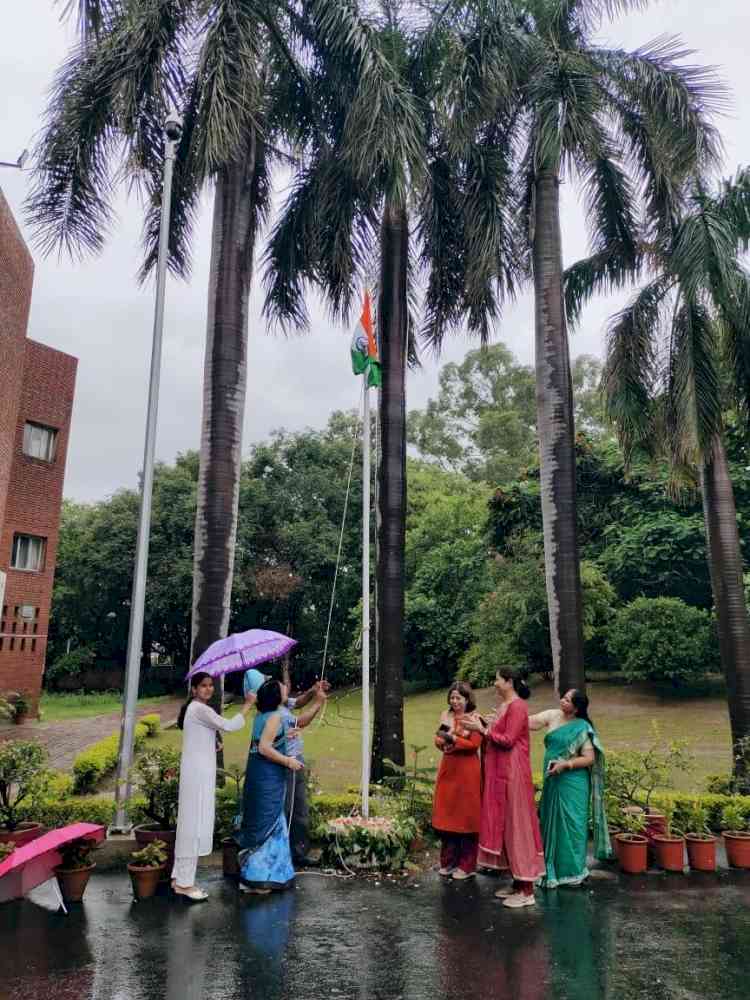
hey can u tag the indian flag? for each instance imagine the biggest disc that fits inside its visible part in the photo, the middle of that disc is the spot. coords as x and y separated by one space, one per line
364 349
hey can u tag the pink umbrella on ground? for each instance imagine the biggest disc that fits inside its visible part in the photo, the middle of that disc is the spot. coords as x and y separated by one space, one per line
242 651
35 862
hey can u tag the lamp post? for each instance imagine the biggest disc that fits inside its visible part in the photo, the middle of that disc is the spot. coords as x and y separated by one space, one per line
172 135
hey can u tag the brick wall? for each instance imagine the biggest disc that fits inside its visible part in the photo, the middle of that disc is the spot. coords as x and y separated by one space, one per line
37 385
16 276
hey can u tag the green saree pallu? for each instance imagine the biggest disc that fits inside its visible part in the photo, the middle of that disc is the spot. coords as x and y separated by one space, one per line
568 801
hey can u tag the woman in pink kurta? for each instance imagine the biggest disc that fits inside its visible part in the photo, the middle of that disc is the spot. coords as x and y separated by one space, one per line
509 836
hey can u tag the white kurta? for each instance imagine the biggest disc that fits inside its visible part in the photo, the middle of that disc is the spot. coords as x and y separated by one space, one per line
195 814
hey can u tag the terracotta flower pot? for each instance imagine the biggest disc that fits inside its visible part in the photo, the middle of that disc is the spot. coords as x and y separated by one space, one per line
632 852
73 882
145 880
737 845
701 850
22 834
147 833
229 850
669 852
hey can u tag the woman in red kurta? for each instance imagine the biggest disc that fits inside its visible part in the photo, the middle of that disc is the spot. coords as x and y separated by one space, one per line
509 836
456 809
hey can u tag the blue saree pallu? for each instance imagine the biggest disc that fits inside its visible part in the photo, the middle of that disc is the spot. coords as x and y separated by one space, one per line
265 858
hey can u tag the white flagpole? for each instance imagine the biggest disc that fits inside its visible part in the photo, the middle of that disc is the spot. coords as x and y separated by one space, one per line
366 599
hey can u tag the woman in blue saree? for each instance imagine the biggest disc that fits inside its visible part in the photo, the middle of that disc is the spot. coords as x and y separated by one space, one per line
265 858
573 792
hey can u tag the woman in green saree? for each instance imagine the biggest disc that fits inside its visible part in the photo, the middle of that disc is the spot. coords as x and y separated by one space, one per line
573 791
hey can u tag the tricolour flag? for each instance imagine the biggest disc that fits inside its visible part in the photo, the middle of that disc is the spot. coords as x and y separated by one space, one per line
364 348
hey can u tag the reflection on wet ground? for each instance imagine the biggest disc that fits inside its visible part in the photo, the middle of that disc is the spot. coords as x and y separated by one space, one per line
663 938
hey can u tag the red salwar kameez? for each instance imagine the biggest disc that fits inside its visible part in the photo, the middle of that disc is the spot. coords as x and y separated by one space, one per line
509 836
456 808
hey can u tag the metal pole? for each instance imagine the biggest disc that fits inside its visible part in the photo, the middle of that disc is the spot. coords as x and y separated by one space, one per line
172 134
366 601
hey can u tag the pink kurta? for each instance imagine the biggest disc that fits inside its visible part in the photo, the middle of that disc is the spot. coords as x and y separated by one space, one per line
509 836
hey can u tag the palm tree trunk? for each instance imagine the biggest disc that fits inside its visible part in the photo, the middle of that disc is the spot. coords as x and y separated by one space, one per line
388 731
554 400
725 565
224 386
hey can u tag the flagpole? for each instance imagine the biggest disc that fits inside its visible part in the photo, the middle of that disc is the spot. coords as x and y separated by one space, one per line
366 598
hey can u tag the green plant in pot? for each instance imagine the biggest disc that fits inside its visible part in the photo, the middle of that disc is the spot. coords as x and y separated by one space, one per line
20 709
156 776
228 812
24 780
632 849
701 843
146 868
74 871
669 847
734 823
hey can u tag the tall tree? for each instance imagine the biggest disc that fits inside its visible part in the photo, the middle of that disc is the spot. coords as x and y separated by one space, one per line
551 103
237 71
340 227
664 377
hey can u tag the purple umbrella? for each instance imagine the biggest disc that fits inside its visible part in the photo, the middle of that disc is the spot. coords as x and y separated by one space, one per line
242 651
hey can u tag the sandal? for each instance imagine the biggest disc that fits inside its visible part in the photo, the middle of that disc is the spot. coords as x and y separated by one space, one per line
194 894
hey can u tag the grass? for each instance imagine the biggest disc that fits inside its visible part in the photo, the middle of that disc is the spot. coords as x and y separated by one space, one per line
61 707
623 716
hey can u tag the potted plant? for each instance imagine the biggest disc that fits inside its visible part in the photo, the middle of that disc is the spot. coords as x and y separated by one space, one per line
736 835
701 843
669 847
632 850
24 779
6 850
157 777
20 709
228 809
146 868
74 872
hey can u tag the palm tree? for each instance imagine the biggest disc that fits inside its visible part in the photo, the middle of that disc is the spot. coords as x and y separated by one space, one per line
628 126
663 381
238 72
340 225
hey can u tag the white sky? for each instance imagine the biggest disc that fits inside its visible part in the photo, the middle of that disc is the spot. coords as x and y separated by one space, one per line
98 313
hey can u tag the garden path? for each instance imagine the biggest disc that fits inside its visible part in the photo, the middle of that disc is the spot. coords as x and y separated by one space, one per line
64 740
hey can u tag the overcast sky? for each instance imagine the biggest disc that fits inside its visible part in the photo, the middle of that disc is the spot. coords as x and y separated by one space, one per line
98 313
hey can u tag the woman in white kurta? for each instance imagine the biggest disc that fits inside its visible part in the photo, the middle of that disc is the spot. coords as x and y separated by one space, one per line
195 814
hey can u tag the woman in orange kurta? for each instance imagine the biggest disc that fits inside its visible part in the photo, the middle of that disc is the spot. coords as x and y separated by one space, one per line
509 837
456 809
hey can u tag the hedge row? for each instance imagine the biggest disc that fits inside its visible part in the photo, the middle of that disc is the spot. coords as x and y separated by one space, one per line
93 763
100 809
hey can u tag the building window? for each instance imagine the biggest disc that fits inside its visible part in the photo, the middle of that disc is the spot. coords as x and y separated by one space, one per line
39 441
28 553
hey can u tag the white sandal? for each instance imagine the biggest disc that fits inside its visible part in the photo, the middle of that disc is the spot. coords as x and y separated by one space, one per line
194 894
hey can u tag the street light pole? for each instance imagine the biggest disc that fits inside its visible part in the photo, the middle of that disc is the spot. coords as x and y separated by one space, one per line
172 135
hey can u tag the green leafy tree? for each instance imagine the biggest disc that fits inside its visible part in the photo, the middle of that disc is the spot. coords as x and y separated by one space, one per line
662 639
511 626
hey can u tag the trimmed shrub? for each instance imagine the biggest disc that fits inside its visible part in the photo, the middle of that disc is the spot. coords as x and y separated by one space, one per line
663 639
325 807
71 664
93 763
152 723
682 805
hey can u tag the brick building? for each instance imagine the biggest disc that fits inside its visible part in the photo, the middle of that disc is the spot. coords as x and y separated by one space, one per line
36 398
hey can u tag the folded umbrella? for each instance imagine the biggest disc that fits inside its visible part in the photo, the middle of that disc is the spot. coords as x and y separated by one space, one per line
242 651
35 862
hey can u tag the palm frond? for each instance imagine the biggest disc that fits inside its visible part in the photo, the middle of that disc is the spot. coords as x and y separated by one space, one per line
734 310
600 274
733 203
694 392
92 17
631 376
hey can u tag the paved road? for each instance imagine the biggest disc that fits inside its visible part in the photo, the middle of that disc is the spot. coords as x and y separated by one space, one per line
662 938
65 740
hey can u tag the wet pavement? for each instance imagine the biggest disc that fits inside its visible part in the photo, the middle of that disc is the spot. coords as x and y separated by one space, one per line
660 937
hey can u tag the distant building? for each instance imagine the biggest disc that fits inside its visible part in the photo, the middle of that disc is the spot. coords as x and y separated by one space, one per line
37 385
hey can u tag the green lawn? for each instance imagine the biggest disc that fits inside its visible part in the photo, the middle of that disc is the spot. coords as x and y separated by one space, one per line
623 716
62 707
